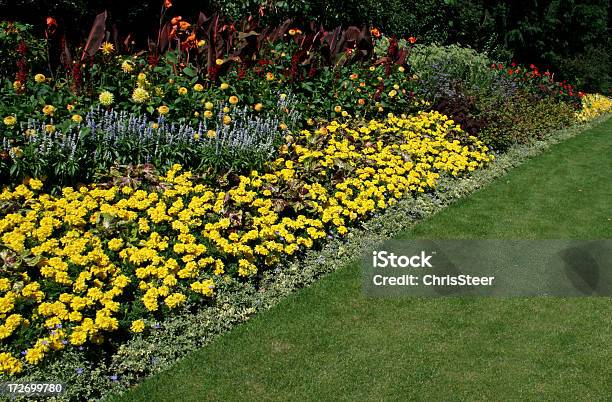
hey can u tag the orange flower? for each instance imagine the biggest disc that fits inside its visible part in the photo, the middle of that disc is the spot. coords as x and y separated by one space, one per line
51 22
353 76
375 32
361 101
175 20
412 39
184 25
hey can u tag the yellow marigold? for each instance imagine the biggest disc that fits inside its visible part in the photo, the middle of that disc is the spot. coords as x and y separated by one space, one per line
163 109
10 121
35 184
115 244
233 99
77 118
227 119
140 95
48 110
107 48
17 85
224 86
49 128
208 114
218 62
198 87
9 365
226 109
201 42
174 300
137 326
127 67
269 76
182 91
209 106
211 133
106 98
40 78
338 109
258 107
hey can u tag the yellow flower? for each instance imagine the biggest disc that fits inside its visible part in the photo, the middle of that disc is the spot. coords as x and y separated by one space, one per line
201 42
219 62
182 91
140 95
9 364
106 98
70 107
258 107
227 120
10 121
198 87
163 110
35 184
127 67
233 99
211 133
40 78
77 118
338 109
224 86
269 76
226 109
17 85
401 69
209 106
137 326
48 110
107 48
208 114
49 128
142 77
115 244
292 32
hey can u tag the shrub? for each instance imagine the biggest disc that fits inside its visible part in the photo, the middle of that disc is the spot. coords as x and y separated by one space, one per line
435 64
523 118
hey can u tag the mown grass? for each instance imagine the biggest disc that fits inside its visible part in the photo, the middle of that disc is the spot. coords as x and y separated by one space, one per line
329 342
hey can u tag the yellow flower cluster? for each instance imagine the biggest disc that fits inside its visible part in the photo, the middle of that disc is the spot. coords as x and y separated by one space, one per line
81 260
593 106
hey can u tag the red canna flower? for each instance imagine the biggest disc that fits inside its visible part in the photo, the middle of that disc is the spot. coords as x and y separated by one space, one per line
412 39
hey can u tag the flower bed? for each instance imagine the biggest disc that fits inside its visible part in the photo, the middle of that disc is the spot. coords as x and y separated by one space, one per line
87 267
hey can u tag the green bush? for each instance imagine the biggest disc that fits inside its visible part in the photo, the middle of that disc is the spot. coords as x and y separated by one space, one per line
522 119
433 63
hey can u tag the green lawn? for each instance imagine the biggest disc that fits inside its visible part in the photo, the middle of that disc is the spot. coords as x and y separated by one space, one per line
330 342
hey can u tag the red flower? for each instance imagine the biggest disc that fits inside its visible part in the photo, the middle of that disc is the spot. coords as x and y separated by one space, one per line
412 39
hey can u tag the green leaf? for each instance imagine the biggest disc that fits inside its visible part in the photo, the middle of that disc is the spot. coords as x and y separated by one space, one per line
190 72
